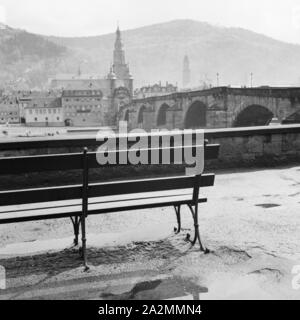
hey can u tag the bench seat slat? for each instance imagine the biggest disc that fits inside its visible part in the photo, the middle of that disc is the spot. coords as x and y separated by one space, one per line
16 197
74 202
97 208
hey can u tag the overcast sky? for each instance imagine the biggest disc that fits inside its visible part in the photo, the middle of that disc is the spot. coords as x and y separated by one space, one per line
277 18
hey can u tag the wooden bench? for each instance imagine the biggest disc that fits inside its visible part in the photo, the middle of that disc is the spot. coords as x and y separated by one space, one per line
79 201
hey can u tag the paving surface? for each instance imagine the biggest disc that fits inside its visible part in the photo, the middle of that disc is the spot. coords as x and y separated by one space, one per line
251 223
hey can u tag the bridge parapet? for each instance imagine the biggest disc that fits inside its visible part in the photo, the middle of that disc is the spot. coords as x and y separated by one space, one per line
223 106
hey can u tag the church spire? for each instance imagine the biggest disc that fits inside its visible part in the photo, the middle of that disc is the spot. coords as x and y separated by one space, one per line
118 34
119 54
119 65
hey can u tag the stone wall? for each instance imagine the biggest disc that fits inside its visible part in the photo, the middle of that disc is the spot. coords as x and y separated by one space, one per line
239 147
257 147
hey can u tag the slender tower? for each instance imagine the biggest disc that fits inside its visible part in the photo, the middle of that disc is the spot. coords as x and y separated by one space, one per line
186 75
120 67
79 71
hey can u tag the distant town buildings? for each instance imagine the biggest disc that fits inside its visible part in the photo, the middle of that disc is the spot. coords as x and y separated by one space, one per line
88 100
154 90
80 99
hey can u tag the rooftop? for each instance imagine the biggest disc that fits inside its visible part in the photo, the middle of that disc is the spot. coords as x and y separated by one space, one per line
44 102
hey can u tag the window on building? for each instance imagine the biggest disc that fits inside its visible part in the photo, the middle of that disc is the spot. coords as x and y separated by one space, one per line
35 119
57 118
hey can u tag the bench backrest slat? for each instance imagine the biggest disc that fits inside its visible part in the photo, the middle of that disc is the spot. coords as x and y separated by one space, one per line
64 162
26 196
18 165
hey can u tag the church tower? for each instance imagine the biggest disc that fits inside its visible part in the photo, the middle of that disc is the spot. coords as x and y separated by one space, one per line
120 68
186 75
120 79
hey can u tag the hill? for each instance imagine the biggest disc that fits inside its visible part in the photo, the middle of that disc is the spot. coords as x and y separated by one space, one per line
155 53
26 59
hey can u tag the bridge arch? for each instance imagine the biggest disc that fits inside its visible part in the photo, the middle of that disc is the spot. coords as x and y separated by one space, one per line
253 115
195 116
161 119
292 118
140 116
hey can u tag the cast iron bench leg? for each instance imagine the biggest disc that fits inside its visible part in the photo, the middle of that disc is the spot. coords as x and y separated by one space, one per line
177 210
76 225
83 239
194 212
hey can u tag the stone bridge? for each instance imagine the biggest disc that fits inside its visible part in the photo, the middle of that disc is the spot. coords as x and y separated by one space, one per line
219 107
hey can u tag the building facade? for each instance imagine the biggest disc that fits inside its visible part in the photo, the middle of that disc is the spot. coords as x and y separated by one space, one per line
9 110
83 107
25 97
44 112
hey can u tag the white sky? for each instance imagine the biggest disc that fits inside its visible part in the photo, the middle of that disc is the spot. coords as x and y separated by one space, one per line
277 18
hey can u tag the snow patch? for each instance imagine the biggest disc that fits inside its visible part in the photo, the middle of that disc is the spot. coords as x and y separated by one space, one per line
93 240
